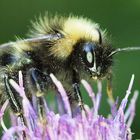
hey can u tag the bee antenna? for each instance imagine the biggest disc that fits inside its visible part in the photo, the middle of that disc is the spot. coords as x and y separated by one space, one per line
124 50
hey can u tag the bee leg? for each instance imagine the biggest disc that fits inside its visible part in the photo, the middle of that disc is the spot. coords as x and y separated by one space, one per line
77 92
78 96
37 77
14 102
109 88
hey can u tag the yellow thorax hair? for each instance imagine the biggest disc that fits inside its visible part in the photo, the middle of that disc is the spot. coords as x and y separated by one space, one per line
72 28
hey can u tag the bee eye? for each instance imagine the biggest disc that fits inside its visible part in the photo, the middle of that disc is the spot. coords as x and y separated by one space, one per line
89 57
88 53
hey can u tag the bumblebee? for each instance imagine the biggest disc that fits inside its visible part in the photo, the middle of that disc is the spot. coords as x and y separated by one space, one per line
72 48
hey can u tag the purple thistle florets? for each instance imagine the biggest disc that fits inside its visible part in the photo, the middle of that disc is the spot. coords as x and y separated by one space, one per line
87 125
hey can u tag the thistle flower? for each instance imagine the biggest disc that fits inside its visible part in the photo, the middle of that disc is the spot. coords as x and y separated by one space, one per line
87 125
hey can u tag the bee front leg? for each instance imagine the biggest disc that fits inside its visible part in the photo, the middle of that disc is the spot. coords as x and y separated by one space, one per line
77 92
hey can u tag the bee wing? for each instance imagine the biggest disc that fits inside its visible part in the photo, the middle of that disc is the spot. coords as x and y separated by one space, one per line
40 39
45 38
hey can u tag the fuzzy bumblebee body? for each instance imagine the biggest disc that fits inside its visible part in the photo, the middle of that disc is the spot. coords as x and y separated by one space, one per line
72 48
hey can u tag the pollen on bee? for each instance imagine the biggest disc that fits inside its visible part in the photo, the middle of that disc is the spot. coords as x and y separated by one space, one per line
94 77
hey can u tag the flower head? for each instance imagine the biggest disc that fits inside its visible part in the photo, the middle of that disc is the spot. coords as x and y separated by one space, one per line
87 125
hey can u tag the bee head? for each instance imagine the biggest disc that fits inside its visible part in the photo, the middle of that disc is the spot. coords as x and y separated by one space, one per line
95 58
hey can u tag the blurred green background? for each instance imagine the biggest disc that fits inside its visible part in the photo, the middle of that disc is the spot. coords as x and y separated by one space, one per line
121 18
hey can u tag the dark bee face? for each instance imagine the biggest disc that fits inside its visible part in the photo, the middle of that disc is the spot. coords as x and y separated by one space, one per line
96 59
